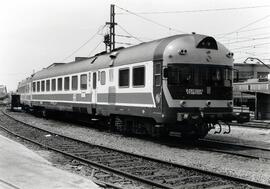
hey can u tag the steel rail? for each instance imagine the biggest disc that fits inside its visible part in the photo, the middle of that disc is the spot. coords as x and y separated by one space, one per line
230 150
220 175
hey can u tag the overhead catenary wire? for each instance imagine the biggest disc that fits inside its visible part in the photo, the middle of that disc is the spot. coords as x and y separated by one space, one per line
248 30
247 40
202 10
245 26
92 37
95 48
152 21
250 46
245 37
129 33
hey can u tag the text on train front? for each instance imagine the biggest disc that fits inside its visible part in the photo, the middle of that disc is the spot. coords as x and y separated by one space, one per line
197 81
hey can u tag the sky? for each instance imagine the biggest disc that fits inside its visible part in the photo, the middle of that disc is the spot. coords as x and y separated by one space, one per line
37 33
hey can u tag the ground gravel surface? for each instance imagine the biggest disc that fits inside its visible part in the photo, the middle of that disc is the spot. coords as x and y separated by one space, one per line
252 169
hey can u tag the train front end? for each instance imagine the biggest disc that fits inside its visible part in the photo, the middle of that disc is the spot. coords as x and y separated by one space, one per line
197 85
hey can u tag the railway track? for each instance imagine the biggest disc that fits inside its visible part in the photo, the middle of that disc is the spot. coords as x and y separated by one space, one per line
252 124
234 149
143 169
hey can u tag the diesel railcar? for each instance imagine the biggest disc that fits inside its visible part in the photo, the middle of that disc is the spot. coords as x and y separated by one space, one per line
179 83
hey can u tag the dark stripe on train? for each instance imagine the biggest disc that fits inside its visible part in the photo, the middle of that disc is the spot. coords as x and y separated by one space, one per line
129 98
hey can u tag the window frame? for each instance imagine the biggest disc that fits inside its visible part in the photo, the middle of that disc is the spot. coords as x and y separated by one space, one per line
122 69
102 82
74 87
48 85
61 85
53 84
34 86
38 86
66 87
144 79
42 86
82 88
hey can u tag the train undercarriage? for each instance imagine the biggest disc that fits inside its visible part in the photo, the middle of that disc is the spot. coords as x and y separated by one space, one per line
191 127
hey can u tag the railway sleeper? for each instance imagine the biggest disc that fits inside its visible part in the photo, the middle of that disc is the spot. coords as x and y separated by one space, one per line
208 184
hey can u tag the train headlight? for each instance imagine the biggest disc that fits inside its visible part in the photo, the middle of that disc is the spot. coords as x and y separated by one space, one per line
229 54
182 103
208 103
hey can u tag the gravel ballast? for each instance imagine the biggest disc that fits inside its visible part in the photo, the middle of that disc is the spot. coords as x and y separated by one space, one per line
252 169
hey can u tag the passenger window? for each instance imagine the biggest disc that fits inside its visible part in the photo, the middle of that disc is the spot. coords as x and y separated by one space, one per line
47 85
66 83
34 86
103 78
94 80
139 76
42 86
53 84
38 86
83 82
111 75
74 82
59 84
124 77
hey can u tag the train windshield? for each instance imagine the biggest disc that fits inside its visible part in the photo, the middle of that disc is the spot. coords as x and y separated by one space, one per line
199 75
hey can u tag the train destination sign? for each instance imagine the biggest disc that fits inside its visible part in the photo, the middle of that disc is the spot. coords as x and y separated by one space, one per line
194 91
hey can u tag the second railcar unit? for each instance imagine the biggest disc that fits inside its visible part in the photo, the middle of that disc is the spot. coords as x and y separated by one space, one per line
180 83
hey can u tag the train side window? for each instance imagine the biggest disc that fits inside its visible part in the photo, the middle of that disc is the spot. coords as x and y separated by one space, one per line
111 75
53 84
94 80
34 86
42 85
98 75
47 85
157 74
38 86
103 78
74 82
139 76
83 82
66 83
124 77
59 84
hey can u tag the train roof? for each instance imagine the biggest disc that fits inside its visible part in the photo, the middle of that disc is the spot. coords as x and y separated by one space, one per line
147 51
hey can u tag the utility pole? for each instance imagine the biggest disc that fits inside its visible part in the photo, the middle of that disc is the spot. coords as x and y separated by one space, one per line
109 39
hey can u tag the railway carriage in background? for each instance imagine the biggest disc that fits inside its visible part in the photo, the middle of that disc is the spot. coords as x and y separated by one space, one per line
180 83
3 92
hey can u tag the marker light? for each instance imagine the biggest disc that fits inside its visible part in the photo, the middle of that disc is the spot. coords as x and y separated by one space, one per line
182 52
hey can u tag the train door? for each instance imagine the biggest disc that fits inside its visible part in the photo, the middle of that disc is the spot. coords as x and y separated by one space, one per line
157 88
94 89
